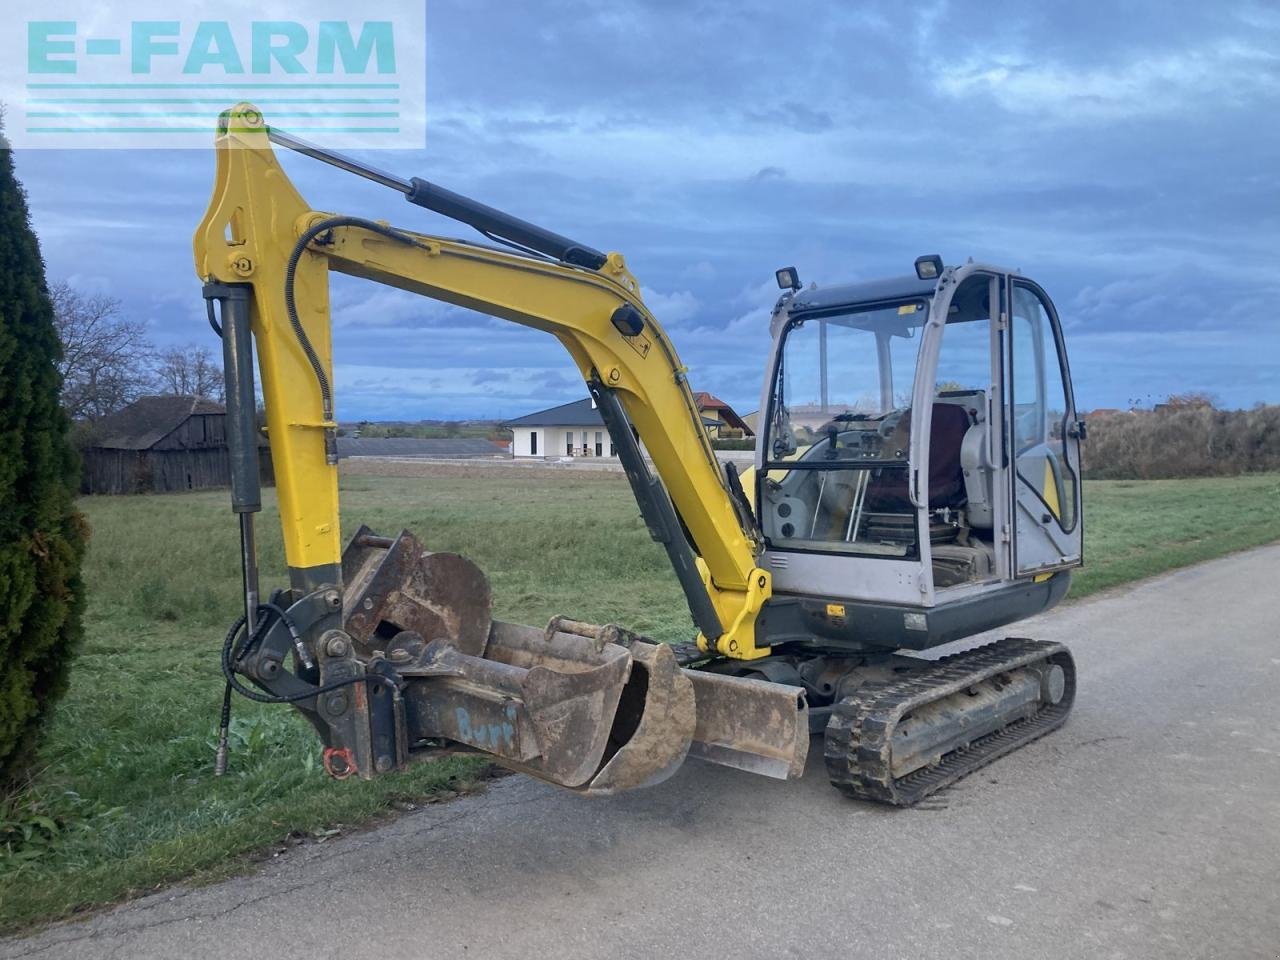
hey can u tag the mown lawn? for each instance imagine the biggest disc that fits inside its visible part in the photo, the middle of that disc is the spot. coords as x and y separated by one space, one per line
126 800
1137 528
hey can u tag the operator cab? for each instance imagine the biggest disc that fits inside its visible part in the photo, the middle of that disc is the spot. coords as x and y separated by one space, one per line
919 452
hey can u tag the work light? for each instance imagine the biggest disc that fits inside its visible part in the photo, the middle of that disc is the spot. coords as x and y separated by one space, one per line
929 267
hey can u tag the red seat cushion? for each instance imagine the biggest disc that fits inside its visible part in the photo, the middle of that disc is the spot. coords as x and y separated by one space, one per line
888 491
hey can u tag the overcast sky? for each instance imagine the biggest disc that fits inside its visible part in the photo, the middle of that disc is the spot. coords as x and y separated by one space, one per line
1124 154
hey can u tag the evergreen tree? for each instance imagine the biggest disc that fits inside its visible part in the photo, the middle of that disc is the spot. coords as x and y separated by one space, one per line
42 536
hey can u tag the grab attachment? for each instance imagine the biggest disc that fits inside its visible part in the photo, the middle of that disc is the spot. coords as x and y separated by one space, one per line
579 711
597 720
409 664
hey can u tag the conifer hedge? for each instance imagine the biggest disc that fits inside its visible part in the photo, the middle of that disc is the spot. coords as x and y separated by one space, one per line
42 537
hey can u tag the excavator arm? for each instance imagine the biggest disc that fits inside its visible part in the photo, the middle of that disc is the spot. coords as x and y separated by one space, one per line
390 650
260 235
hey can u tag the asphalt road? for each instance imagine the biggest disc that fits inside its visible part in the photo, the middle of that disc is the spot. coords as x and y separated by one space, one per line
1148 827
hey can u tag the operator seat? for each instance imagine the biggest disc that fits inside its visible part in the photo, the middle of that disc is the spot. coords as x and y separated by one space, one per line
888 491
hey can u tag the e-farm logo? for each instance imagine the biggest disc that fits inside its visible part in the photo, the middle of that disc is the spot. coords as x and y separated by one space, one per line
132 74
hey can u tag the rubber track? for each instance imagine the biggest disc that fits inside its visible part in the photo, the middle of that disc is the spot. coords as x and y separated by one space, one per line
859 735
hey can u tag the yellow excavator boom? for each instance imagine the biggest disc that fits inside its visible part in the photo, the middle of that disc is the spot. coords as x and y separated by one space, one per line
257 224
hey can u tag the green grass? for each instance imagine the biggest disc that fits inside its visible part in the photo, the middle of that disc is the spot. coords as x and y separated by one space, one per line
126 801
1138 528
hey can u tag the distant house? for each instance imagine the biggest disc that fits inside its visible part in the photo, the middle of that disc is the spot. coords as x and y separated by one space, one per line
569 430
720 419
577 429
162 445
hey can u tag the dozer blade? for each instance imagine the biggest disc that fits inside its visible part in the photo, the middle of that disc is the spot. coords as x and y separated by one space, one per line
753 725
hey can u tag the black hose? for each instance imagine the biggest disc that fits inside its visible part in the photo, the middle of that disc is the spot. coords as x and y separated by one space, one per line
257 696
291 307
213 317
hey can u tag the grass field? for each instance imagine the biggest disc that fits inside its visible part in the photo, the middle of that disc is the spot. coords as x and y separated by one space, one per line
126 800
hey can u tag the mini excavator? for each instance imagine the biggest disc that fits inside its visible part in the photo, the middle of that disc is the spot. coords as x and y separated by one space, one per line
916 482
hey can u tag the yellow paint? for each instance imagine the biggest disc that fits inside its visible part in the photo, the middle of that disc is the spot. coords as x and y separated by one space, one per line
254 200
747 478
250 218
1051 489
738 612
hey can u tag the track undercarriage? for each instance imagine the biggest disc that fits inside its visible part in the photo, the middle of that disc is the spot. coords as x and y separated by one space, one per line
897 728
898 739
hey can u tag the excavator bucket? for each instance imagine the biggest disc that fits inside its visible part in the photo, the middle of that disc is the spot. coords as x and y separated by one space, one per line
591 708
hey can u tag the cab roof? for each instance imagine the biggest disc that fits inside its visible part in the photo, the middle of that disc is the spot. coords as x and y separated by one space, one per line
870 291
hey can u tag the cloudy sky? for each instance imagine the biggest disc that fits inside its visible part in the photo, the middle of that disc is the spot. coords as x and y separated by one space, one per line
1125 154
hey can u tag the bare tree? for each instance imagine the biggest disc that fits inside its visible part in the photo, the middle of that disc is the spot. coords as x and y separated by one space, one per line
106 357
189 371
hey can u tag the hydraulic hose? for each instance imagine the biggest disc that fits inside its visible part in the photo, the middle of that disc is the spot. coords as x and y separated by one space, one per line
291 306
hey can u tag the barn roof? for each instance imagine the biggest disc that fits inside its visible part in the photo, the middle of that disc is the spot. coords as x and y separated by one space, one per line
148 420
580 413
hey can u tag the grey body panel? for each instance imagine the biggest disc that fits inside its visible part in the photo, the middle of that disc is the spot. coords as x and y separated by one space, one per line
863 625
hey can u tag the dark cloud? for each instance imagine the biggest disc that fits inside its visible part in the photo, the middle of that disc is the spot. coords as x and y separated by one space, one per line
792 116
1122 156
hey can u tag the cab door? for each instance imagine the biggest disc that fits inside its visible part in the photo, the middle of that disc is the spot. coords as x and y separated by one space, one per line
1043 436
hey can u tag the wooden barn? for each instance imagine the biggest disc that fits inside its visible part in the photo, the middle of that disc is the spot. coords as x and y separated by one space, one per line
162 445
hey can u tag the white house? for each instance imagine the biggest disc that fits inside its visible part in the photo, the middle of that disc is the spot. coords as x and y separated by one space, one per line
569 430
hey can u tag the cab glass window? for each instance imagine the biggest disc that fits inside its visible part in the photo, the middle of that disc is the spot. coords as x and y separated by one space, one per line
836 477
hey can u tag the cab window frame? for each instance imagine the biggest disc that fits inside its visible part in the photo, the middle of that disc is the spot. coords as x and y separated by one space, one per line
1069 411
